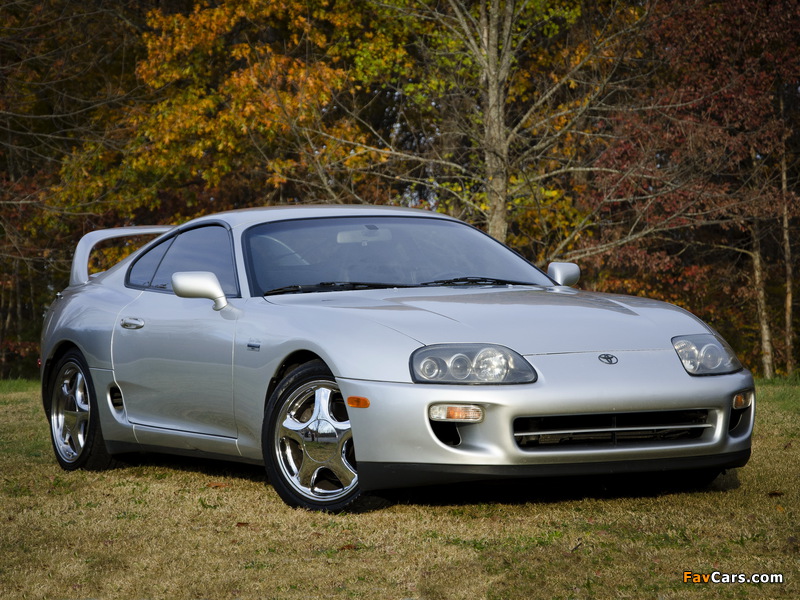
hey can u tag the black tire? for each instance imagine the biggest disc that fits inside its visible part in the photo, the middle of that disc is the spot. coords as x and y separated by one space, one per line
74 420
306 417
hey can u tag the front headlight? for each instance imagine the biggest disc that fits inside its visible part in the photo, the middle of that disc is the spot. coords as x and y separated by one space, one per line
470 364
705 354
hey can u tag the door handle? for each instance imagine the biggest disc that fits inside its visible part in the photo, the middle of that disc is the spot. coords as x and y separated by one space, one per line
132 323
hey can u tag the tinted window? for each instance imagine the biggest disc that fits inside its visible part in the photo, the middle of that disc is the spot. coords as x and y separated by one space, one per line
201 249
144 268
389 250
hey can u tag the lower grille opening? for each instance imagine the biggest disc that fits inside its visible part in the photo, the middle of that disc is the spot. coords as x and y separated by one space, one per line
447 433
610 429
736 418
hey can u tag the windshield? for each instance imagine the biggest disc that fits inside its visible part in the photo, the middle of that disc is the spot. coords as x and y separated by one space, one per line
337 252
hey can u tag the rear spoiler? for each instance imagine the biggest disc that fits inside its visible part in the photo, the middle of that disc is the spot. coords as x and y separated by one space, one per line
80 261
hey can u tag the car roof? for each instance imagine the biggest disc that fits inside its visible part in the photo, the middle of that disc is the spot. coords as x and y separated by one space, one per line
250 216
239 218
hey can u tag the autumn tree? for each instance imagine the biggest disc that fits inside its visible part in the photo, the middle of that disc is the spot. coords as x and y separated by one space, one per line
491 105
477 108
233 82
710 162
65 71
642 136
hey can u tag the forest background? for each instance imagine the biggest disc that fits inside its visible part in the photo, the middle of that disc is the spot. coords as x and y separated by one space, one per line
654 142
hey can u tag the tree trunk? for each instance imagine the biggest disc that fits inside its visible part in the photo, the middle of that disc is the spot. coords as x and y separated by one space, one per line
789 297
495 146
5 318
496 177
787 259
759 282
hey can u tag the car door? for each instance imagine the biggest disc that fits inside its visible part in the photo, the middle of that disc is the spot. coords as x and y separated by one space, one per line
172 356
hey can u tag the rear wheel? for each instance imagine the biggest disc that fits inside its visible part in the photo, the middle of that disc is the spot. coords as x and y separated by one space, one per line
307 442
72 410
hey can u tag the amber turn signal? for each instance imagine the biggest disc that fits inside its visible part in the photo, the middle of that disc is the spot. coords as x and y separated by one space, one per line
357 402
459 413
742 400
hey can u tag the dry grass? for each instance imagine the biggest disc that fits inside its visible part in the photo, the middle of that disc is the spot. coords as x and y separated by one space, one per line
181 529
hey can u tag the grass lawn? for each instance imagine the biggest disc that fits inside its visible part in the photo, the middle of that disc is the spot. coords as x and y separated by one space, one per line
174 528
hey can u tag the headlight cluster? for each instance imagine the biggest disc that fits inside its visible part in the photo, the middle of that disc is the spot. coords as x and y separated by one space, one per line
705 354
470 364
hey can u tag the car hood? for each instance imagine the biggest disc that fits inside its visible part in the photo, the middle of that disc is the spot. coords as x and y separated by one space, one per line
530 320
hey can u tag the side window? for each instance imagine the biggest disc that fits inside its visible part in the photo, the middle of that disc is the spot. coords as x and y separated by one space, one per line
142 271
202 249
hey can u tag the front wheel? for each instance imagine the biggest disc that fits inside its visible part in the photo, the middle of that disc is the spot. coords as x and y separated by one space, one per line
307 442
72 410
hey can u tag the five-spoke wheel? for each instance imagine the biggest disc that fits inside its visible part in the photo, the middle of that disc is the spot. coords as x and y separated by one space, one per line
69 416
307 442
74 423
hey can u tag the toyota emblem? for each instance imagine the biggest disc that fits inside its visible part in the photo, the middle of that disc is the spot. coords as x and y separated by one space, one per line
608 359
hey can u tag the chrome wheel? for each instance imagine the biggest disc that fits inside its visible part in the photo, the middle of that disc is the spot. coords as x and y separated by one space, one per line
313 444
70 410
74 421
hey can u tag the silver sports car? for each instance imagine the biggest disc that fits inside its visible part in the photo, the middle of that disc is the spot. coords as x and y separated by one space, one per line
351 349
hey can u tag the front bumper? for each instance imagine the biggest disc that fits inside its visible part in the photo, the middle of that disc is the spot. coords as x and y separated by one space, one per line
378 476
396 444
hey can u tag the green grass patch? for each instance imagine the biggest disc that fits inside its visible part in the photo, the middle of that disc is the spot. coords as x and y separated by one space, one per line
782 393
164 528
14 386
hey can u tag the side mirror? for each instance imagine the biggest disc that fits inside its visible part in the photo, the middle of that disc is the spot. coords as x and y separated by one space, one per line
564 273
199 284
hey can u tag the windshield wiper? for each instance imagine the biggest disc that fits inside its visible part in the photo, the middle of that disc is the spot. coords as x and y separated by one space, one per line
338 286
332 286
475 280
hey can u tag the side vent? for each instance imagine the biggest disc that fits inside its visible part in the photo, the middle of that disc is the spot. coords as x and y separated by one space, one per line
115 395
